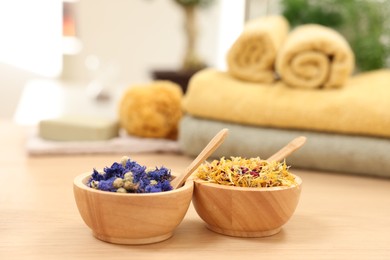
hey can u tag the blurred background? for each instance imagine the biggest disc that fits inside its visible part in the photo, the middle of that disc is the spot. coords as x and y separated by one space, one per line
49 45
61 56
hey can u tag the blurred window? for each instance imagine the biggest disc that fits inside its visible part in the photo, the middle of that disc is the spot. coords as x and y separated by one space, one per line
31 35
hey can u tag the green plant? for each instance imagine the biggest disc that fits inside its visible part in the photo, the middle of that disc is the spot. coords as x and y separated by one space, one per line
364 23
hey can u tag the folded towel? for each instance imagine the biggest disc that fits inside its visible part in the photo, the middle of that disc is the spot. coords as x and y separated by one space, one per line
252 56
314 56
328 152
361 107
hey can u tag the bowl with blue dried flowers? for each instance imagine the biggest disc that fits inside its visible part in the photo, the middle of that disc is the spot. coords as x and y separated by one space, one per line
128 203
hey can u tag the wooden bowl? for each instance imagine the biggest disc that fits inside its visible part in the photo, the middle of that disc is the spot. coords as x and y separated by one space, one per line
131 218
245 212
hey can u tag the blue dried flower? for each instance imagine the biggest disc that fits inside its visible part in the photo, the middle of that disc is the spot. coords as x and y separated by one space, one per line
152 188
158 187
156 180
116 170
107 185
166 185
131 164
143 183
138 172
96 176
160 174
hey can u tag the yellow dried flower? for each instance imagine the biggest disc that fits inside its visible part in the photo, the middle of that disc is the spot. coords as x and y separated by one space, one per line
242 172
124 160
130 186
121 190
128 176
118 182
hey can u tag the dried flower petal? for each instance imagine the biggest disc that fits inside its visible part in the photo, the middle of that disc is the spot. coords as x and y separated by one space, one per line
243 172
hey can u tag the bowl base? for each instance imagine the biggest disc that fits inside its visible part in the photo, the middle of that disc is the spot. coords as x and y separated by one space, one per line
235 233
132 241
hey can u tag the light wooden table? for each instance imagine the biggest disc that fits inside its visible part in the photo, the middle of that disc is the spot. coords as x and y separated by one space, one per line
339 216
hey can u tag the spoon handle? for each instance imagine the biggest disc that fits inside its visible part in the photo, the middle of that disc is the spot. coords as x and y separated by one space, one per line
204 154
288 149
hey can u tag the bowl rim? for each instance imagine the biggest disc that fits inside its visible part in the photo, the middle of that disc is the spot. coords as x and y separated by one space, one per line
79 182
250 189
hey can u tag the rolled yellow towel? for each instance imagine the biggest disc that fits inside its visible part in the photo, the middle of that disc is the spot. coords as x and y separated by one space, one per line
252 56
315 56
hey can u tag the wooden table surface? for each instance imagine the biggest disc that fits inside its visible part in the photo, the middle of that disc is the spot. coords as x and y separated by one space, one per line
338 217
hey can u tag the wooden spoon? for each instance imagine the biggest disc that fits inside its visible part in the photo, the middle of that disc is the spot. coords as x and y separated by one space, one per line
292 146
204 154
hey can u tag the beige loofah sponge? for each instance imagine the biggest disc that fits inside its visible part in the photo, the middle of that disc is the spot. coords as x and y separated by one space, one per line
151 110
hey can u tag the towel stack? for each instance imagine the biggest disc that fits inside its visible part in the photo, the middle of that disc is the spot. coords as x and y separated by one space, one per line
311 93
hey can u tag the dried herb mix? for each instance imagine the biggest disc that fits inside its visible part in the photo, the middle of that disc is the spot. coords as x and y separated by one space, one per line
128 176
242 172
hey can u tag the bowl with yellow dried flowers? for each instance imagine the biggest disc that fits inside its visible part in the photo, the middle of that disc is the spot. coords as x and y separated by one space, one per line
246 197
128 203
